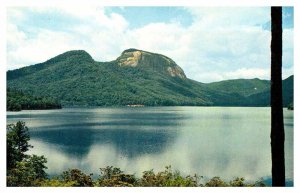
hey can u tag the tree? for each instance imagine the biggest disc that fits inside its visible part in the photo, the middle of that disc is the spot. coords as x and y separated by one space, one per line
29 172
277 129
17 138
77 178
22 169
37 163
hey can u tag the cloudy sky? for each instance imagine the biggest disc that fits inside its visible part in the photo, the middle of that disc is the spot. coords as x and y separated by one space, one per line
210 44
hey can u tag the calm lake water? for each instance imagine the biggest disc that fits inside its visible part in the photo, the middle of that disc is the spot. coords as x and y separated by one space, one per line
210 141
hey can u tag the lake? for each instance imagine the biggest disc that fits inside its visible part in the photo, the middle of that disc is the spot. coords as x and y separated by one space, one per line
210 141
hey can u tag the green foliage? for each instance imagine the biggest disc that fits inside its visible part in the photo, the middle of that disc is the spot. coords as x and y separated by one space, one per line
216 182
104 84
22 169
111 176
17 137
258 183
291 106
114 177
55 182
37 164
17 100
28 172
288 91
167 178
74 78
11 152
244 87
20 175
237 182
77 178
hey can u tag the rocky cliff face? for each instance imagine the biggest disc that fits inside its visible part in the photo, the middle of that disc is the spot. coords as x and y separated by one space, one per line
156 62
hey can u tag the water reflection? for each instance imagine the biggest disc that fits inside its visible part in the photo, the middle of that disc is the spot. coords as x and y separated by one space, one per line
210 141
128 142
131 132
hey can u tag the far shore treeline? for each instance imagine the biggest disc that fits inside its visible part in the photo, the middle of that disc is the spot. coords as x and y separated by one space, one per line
17 100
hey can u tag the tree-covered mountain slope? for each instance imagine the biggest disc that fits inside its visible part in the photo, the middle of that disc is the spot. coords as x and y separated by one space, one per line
135 77
263 98
253 92
244 87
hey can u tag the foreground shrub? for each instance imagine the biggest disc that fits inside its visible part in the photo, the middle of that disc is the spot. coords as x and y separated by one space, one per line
77 178
167 178
114 177
237 182
216 182
28 172
55 182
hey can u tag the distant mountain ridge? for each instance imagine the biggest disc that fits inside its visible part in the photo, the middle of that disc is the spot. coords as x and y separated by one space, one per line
135 77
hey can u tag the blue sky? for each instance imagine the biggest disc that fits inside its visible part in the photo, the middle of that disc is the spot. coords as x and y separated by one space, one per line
209 43
141 16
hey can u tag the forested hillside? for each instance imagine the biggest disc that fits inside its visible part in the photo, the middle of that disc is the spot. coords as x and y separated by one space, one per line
135 77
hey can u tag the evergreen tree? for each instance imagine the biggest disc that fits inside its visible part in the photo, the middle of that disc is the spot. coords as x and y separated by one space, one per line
17 143
22 169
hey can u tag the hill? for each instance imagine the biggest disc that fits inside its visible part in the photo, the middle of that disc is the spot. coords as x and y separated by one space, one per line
263 98
254 92
135 77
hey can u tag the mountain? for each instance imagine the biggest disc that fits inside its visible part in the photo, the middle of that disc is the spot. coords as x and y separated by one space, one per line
263 98
243 87
254 92
135 77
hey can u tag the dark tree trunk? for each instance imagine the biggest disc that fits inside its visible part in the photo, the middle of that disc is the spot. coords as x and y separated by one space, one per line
277 129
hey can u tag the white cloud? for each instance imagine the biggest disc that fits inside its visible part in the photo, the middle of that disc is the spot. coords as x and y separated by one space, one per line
288 47
232 17
95 32
15 14
286 72
15 36
249 73
202 51
157 37
41 48
221 43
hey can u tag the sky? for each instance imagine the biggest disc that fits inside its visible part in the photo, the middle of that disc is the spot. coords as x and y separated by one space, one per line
208 43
